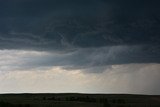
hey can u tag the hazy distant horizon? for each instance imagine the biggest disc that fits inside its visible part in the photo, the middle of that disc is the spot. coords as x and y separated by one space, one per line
81 93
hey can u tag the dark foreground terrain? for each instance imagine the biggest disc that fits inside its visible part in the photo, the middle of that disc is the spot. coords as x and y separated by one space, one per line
78 100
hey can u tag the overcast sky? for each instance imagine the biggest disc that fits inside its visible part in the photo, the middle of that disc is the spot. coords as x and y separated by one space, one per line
84 46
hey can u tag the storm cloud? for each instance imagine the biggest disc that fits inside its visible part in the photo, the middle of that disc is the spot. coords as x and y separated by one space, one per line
52 24
85 59
113 32
103 40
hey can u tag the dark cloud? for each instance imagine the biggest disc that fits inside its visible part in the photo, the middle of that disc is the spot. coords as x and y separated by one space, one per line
92 45
101 32
89 59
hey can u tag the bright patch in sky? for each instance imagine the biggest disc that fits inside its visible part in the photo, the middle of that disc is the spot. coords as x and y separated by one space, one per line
17 75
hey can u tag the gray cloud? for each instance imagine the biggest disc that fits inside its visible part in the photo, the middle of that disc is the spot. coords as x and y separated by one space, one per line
111 34
111 45
46 24
88 59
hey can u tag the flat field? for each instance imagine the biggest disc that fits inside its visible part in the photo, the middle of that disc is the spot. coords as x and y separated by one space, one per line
78 100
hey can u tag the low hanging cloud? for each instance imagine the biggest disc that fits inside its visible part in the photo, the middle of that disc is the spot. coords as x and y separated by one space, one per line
79 58
115 33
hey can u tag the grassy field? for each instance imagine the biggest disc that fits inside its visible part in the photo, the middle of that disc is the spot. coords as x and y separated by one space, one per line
78 100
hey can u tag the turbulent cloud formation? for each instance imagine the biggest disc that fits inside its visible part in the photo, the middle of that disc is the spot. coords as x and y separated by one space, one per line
79 58
53 25
90 37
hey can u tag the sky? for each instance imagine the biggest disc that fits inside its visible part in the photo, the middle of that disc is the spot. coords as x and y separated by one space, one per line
80 46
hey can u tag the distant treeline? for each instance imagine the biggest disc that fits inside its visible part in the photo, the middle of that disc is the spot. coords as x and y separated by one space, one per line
86 99
72 100
104 101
